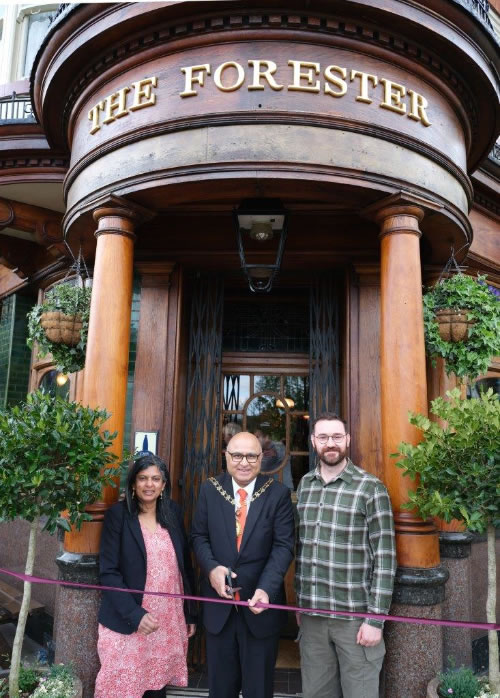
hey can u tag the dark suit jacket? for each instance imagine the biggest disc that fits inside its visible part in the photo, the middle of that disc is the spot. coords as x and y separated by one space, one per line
265 554
122 564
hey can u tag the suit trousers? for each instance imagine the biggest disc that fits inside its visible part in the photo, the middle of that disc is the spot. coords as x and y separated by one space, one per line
333 665
238 661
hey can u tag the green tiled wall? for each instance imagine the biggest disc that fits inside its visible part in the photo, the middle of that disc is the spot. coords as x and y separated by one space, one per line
15 355
5 345
134 329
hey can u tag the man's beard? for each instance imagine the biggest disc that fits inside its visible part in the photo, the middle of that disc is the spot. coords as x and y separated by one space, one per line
331 457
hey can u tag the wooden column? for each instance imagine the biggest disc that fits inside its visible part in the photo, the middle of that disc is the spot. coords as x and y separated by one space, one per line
106 363
403 370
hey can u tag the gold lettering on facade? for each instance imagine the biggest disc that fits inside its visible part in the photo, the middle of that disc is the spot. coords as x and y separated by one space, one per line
298 75
143 93
338 82
393 94
115 105
363 85
418 105
231 76
94 116
239 79
267 74
190 78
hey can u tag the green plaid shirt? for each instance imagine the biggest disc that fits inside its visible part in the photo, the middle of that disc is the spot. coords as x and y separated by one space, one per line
346 551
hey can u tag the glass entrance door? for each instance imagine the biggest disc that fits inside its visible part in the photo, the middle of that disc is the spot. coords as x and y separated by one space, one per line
273 406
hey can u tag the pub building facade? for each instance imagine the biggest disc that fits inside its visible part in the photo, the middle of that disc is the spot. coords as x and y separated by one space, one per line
259 190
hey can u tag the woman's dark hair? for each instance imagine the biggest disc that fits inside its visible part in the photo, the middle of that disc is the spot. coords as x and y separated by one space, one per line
164 513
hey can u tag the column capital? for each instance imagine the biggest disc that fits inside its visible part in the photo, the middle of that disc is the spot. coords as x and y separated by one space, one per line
115 215
400 213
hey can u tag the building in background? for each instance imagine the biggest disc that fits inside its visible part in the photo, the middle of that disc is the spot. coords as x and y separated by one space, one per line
259 190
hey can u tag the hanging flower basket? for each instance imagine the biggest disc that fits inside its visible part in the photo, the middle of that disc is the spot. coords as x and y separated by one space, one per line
59 325
462 324
453 324
61 328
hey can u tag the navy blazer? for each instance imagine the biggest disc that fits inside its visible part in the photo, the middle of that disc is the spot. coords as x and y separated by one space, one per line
265 553
122 564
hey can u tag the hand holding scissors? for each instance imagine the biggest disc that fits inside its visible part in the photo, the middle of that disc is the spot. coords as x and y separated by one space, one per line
218 579
229 584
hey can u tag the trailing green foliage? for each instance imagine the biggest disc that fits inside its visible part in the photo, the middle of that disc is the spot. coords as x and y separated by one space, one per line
68 299
458 464
472 357
52 454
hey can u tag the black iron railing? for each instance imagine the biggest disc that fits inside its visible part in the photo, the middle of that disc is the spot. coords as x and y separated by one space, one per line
495 153
16 108
62 7
479 8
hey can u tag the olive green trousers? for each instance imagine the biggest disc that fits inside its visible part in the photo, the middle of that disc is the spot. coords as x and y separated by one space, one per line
332 664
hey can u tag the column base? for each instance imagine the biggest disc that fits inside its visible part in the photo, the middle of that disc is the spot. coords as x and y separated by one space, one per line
455 554
76 618
414 652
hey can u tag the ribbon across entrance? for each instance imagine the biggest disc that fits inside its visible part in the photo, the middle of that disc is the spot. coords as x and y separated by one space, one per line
278 607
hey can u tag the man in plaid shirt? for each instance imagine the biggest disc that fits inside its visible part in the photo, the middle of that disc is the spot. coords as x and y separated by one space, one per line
346 561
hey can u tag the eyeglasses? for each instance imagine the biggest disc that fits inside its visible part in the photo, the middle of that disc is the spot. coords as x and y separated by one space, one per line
252 458
324 438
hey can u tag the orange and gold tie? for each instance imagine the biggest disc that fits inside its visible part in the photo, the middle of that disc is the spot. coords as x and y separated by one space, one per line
241 517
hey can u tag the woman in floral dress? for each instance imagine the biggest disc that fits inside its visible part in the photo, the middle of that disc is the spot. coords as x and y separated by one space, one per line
143 638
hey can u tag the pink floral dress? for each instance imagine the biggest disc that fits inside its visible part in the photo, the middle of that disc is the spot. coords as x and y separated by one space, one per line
133 664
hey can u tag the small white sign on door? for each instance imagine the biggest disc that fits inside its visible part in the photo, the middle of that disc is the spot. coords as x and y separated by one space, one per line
146 441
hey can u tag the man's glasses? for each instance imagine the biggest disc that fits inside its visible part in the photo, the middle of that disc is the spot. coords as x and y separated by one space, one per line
323 438
251 457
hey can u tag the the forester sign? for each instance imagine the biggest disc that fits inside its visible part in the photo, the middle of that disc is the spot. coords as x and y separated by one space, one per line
335 81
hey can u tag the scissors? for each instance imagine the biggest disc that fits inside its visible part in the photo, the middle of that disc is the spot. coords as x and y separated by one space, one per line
229 585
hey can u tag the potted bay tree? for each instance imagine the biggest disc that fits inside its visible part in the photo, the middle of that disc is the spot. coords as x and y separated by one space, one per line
457 464
54 457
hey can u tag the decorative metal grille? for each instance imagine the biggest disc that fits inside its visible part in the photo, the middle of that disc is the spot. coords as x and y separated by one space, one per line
324 349
266 327
479 8
203 392
231 392
16 108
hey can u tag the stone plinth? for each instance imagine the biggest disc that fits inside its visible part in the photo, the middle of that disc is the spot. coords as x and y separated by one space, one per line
455 548
76 618
414 652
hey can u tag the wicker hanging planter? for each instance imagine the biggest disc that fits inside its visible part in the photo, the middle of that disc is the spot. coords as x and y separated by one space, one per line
453 324
62 329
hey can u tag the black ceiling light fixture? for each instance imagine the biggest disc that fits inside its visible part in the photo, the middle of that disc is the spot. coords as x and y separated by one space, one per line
261 221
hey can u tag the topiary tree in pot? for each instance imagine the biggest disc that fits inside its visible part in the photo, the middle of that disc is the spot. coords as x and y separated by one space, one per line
458 466
54 457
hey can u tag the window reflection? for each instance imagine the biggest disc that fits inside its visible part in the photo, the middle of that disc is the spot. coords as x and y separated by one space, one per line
38 25
55 383
484 384
275 409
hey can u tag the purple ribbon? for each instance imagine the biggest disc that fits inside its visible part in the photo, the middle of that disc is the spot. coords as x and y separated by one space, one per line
278 607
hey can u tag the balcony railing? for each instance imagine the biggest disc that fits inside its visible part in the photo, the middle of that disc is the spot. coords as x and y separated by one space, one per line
479 8
16 109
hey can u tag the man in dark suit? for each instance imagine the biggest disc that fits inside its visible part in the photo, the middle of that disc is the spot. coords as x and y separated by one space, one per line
243 521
